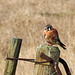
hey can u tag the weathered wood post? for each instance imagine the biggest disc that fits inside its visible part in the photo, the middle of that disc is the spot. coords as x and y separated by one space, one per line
15 45
46 68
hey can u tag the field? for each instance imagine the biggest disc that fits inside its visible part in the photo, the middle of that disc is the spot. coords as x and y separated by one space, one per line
26 19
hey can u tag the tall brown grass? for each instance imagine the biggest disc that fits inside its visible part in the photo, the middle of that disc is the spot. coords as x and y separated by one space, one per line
26 19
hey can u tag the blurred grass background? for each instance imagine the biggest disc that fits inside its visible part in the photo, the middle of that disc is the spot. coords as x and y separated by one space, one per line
26 19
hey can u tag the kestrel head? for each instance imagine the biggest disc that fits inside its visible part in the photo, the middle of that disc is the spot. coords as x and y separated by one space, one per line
48 27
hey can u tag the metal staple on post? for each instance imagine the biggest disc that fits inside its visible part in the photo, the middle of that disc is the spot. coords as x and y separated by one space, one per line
52 61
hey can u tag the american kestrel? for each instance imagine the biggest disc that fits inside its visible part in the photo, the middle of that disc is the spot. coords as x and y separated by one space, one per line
52 37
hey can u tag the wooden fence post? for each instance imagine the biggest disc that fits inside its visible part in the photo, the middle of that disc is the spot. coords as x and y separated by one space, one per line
46 68
15 45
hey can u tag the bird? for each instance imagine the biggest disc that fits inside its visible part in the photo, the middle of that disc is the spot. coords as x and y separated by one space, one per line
52 37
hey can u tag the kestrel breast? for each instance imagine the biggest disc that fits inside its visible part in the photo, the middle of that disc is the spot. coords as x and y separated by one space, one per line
50 36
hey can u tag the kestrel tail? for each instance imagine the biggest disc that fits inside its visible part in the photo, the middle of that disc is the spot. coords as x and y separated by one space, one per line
52 37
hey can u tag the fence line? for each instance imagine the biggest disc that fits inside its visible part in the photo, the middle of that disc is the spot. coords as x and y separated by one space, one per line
46 62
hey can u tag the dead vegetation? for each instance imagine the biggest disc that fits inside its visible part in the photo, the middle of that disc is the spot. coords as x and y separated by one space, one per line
26 19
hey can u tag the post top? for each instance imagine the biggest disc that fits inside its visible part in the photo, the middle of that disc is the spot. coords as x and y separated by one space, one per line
51 48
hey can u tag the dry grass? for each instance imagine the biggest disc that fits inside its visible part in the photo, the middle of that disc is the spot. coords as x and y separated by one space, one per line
26 19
